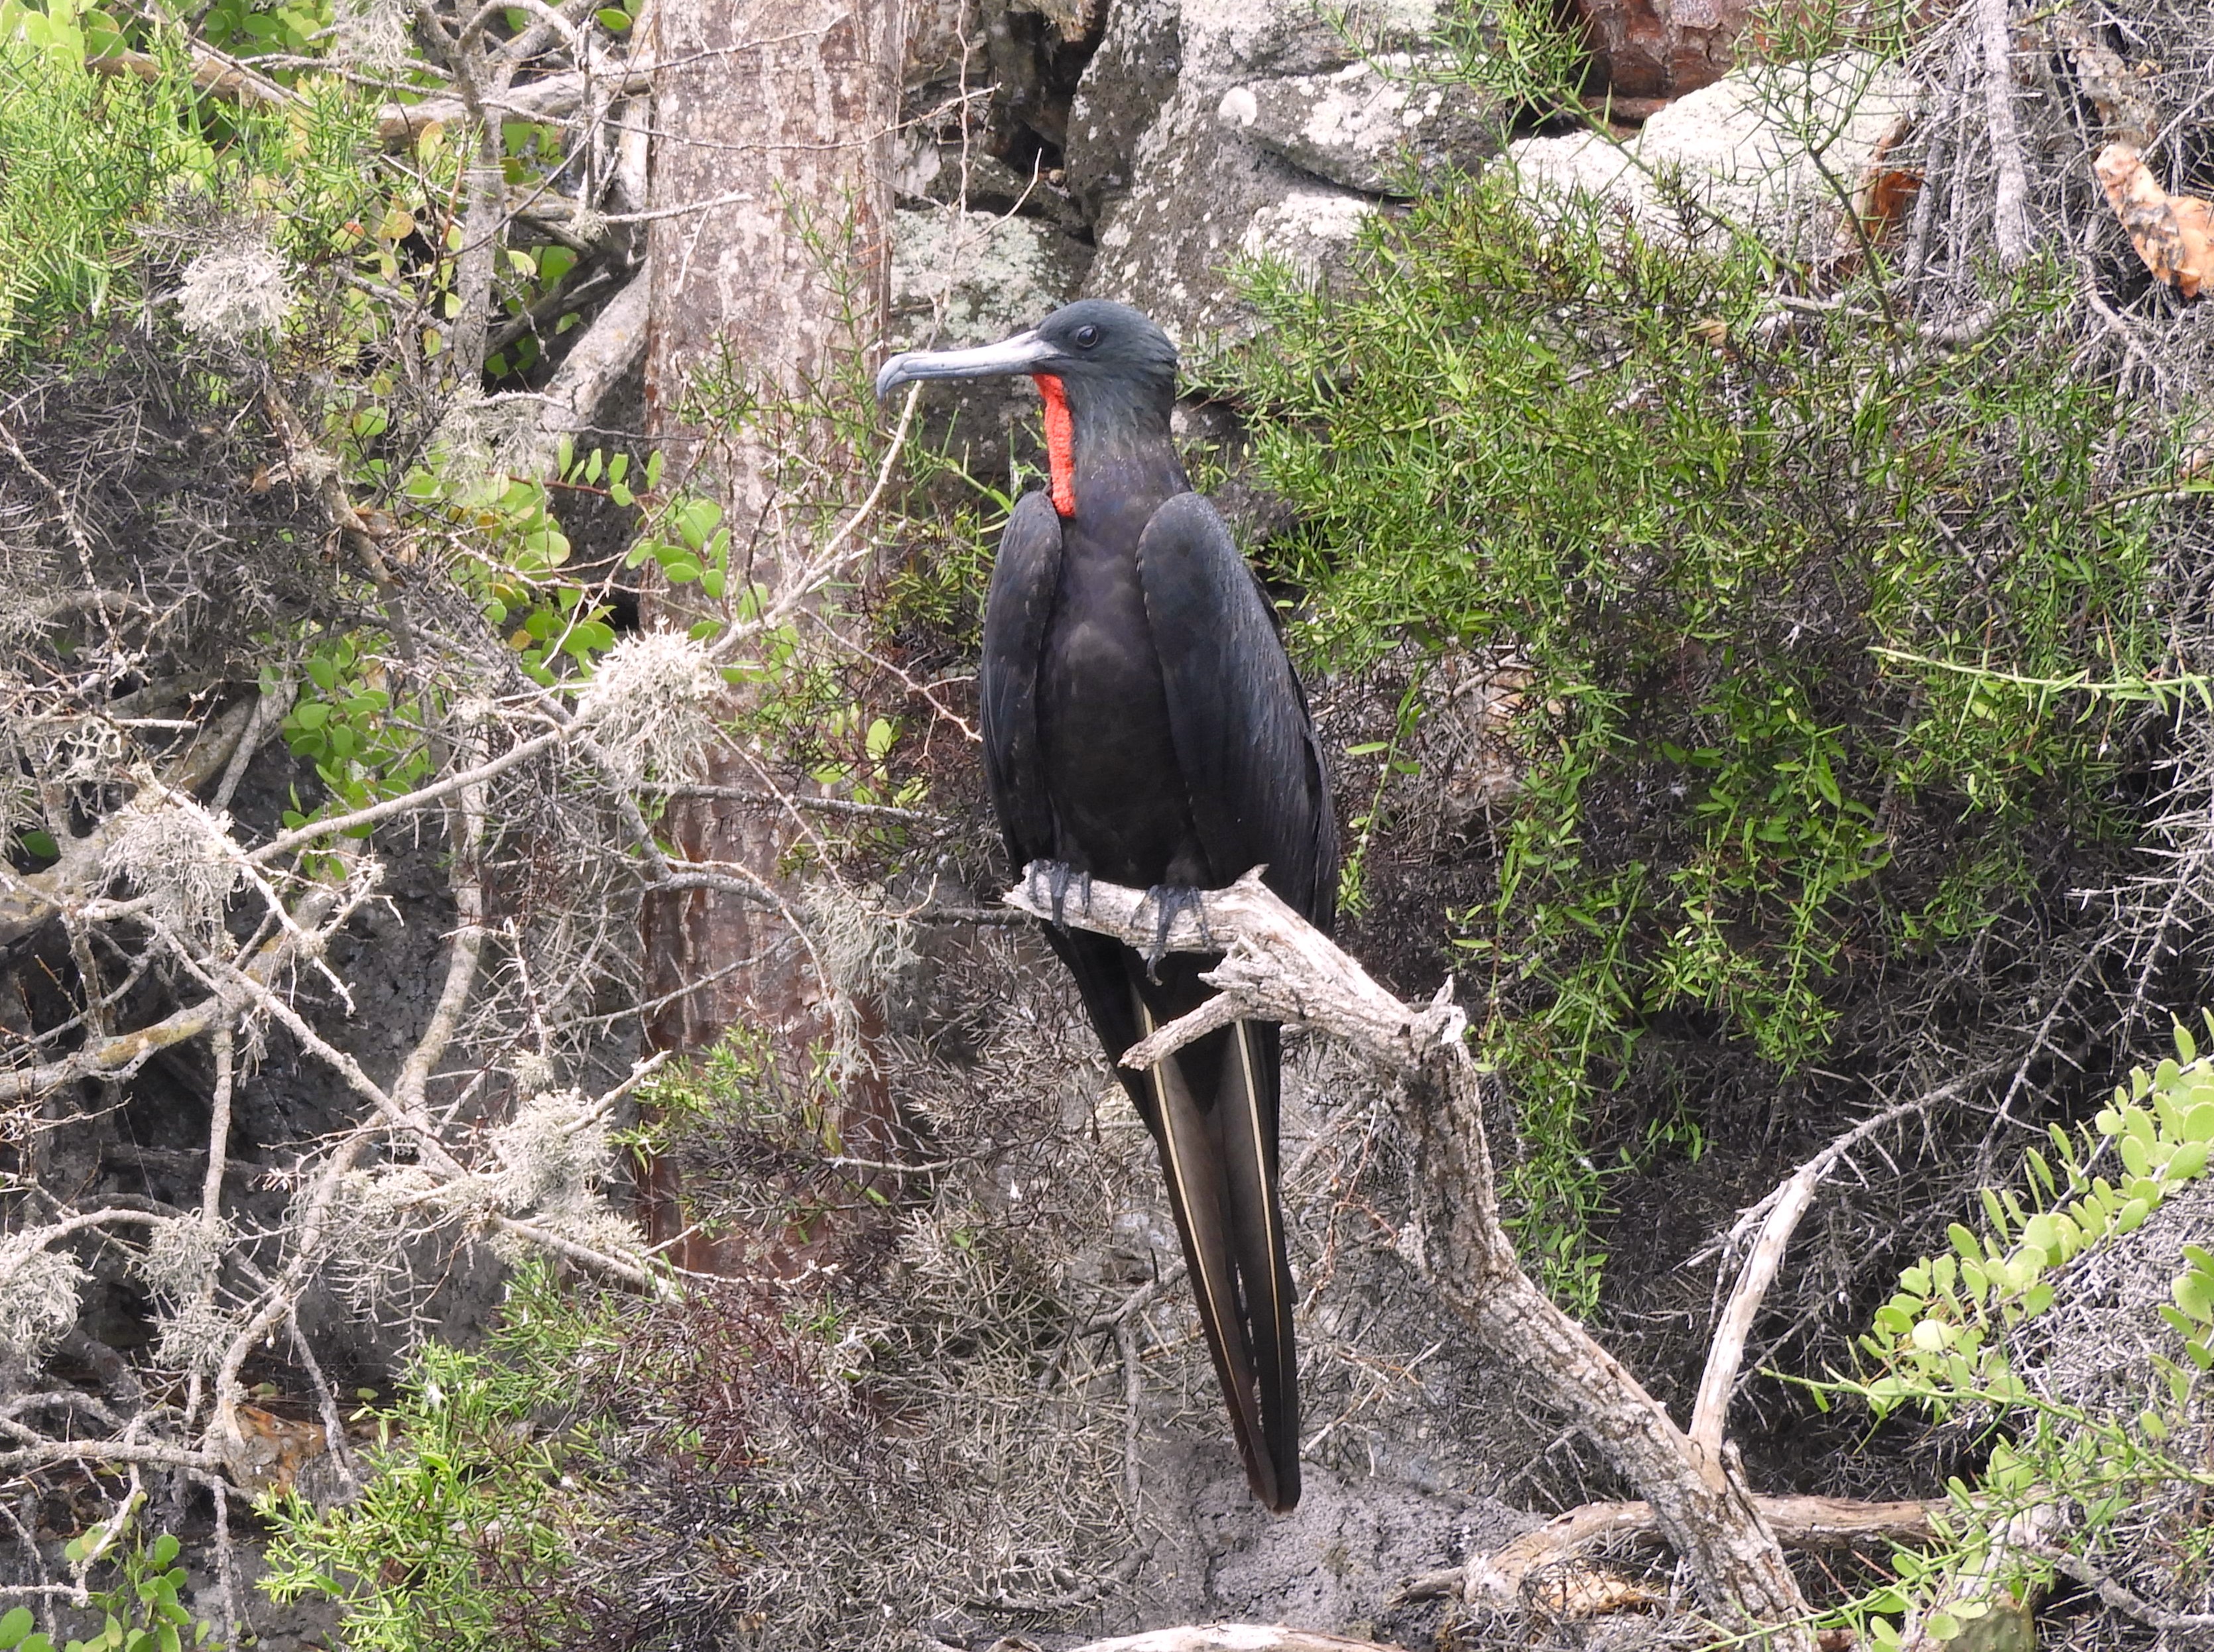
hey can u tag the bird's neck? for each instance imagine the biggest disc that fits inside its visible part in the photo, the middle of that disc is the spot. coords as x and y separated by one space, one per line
1105 432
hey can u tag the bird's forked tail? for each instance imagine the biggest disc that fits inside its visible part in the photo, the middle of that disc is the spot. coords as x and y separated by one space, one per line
1220 1165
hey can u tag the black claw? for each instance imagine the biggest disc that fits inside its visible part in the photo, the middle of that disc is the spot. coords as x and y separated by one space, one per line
1168 901
1057 875
1061 873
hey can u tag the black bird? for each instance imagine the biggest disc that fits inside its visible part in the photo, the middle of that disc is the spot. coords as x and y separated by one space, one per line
1142 725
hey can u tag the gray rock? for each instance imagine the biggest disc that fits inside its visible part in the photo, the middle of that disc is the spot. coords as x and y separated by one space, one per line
1372 125
968 277
1125 87
962 278
1177 196
1767 148
1205 199
945 44
928 173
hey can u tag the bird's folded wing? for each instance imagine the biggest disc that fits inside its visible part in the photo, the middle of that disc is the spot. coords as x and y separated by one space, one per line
1244 738
1024 578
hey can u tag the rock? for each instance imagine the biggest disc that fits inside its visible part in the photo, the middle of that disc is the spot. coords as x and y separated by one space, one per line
1370 125
969 277
1124 89
1741 150
1204 198
1038 50
1177 194
929 174
962 278
945 39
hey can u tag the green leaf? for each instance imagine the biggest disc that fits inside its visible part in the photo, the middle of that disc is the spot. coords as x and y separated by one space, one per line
2188 1162
1942 1626
13 1626
2194 1295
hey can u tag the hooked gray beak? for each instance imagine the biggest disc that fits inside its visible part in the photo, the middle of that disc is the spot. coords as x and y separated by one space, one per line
1024 353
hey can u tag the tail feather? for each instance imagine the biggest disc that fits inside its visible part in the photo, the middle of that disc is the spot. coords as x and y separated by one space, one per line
1246 1111
1221 1168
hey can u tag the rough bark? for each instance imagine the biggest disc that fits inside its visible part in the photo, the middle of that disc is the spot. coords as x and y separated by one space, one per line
1277 967
768 254
1646 51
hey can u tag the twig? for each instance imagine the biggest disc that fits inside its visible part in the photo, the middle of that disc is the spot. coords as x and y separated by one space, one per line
814 805
1727 1351
2010 189
2120 1598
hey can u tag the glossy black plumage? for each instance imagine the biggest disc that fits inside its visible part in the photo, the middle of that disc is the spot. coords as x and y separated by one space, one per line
1142 724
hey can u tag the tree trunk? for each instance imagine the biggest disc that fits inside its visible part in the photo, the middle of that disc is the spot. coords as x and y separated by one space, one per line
771 269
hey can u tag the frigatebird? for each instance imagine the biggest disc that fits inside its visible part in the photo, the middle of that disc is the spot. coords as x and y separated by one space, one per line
1142 725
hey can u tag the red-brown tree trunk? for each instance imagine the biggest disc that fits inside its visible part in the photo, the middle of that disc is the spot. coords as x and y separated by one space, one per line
772 123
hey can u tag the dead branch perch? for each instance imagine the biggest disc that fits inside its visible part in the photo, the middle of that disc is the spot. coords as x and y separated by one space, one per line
1230 1637
1275 966
550 99
1798 1523
1778 1215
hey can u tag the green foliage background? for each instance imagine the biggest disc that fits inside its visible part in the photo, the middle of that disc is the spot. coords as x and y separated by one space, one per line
1737 555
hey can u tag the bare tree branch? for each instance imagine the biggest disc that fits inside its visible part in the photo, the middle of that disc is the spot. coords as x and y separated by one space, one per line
1276 966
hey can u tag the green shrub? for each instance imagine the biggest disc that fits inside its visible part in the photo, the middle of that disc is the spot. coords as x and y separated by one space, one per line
2114 1468
463 1527
1741 552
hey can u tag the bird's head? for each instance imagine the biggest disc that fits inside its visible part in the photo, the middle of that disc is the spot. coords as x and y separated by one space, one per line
1091 345
1107 373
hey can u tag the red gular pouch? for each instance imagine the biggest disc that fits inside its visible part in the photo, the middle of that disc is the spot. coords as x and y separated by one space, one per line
1060 441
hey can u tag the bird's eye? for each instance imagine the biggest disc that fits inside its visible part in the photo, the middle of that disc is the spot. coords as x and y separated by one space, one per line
1086 336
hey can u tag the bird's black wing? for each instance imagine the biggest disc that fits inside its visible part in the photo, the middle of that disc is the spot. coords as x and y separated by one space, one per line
1244 738
1026 586
1026 582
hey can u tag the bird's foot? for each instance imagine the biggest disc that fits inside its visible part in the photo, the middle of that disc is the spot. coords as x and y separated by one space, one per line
1059 875
1168 900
